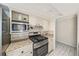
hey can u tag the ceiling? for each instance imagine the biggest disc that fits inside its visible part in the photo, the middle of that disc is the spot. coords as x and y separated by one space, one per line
46 10
67 8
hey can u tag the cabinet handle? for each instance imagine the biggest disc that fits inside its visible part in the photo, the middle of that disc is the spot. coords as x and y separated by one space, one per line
22 51
30 52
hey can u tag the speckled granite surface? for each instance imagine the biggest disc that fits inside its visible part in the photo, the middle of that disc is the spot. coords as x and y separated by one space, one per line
19 44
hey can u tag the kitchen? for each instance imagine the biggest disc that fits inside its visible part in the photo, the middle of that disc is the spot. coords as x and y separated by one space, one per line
39 29
25 34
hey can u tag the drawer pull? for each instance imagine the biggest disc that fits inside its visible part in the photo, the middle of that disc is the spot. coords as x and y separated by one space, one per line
30 52
22 51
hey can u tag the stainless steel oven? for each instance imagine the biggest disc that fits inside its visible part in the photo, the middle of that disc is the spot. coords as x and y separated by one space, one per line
19 27
40 44
41 48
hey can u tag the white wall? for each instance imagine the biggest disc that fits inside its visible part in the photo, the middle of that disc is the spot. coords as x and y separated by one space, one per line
52 24
66 28
37 20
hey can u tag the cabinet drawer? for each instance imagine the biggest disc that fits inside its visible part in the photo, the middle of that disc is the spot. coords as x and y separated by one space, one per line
14 52
18 36
27 48
24 51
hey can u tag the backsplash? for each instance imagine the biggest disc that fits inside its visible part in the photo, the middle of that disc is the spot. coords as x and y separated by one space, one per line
47 33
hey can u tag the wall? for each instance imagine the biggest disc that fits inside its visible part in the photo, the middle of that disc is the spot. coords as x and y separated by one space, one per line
37 20
66 28
52 24
51 32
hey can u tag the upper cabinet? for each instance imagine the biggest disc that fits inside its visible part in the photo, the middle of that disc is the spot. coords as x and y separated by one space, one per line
25 17
17 16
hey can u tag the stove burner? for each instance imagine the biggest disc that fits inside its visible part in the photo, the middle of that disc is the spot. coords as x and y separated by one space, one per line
37 38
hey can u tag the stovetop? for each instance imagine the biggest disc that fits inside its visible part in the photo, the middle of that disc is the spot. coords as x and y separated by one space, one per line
37 38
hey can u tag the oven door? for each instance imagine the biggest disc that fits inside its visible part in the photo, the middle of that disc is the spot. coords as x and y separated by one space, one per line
41 51
19 27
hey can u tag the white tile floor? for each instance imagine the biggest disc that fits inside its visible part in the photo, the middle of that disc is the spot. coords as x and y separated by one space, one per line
63 50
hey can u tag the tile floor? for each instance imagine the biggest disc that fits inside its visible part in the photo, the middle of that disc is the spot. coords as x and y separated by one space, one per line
63 50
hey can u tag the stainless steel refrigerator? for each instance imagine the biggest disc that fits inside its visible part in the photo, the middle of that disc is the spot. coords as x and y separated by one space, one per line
5 27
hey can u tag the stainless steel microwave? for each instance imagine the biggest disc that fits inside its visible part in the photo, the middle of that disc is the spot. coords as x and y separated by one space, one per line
18 27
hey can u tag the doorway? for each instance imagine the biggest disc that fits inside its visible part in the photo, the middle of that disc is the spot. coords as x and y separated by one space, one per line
66 36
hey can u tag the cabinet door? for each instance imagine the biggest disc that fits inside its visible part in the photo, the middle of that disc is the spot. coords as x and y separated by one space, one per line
14 52
15 15
50 45
26 51
25 17
23 51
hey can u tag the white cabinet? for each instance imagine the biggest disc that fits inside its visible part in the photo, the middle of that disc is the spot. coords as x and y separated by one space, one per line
25 17
50 44
20 16
24 51
19 36
13 53
15 16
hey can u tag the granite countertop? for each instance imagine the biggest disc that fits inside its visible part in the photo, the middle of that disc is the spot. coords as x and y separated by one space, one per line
48 34
19 44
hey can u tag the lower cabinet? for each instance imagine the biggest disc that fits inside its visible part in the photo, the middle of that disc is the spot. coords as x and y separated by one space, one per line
18 36
26 54
24 51
50 44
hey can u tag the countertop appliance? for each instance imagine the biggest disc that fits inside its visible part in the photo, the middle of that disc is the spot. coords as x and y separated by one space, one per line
40 44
